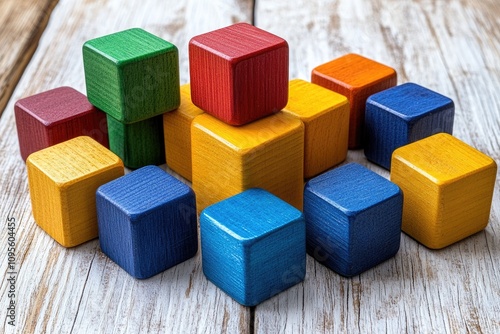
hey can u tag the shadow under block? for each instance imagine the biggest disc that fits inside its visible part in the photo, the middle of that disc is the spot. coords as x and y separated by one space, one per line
177 133
63 180
239 73
253 246
132 75
325 115
357 78
54 116
268 154
401 115
138 144
147 221
448 189
353 219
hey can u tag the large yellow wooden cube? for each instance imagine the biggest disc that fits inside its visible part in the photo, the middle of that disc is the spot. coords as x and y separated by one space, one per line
326 118
267 153
177 133
63 180
447 187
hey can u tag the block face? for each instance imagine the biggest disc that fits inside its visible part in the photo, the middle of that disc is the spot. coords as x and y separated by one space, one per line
402 115
353 219
267 154
326 118
448 189
239 73
138 144
54 116
132 75
147 221
253 246
63 179
357 78
177 134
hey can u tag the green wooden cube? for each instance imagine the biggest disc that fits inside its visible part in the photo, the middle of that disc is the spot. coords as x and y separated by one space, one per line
138 144
132 75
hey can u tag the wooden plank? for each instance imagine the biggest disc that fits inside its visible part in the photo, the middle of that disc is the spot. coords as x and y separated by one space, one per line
22 25
80 290
451 48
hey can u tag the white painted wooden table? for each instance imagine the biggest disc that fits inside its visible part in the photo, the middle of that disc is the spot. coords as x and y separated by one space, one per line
451 46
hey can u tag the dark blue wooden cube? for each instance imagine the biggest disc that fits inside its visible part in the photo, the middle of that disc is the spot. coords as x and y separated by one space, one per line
401 115
253 246
353 219
147 221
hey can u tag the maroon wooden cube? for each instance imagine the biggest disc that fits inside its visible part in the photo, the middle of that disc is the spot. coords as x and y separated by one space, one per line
55 116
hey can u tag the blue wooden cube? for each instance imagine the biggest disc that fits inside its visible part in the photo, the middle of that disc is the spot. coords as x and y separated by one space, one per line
402 115
147 221
353 219
253 246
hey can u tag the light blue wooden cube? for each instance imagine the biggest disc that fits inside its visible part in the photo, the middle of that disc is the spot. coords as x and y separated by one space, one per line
353 219
402 115
253 246
147 221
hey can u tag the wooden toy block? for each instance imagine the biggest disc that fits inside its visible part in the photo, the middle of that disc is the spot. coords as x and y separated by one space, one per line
54 116
177 133
138 144
357 78
448 189
132 75
268 154
326 118
239 73
353 219
63 180
253 246
147 221
401 115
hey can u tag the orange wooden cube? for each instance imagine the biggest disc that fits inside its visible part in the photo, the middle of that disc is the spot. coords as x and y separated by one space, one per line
63 180
357 78
325 115
177 133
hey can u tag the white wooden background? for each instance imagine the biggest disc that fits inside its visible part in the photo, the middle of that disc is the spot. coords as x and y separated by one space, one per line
450 46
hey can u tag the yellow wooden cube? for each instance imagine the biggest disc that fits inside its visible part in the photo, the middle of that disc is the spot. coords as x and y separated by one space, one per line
447 187
177 133
63 180
326 118
267 153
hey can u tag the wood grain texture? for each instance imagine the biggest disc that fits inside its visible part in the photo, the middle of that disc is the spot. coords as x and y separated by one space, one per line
239 73
448 188
253 245
147 221
54 116
267 154
357 78
401 115
63 180
80 290
177 134
132 75
325 115
138 144
447 47
23 22
353 219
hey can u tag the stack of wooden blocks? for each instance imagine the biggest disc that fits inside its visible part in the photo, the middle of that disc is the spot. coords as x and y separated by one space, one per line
260 151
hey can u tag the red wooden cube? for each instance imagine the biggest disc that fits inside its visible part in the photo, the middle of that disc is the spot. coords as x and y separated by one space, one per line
239 73
55 116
